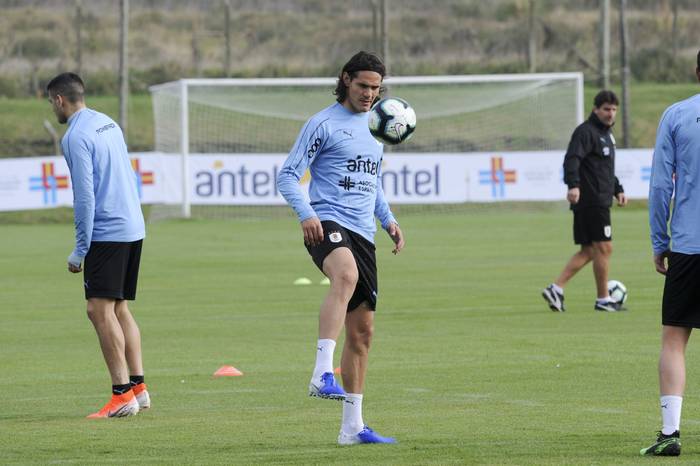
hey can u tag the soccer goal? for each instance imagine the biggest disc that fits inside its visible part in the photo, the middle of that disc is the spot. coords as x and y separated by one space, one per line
456 114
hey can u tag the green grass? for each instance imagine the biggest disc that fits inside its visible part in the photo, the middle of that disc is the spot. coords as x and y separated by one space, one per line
468 365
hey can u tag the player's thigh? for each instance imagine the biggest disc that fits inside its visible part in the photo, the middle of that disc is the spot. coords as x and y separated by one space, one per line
340 265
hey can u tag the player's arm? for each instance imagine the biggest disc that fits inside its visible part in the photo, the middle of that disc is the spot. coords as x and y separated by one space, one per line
663 166
383 212
77 150
578 148
307 147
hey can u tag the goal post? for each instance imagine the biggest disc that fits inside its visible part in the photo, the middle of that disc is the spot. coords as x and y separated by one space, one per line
456 114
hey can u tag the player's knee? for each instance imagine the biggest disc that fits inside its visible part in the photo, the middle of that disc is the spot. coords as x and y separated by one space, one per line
361 337
346 279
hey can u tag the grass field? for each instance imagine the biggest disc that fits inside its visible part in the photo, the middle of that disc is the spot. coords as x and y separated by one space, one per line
468 365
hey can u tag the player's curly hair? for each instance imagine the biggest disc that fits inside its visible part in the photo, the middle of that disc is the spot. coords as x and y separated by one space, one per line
361 61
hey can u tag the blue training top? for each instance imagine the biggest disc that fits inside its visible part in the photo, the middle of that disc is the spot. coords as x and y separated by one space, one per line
345 164
677 153
105 196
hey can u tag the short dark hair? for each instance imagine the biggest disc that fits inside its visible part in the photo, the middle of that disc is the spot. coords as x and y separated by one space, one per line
605 97
698 59
68 85
361 61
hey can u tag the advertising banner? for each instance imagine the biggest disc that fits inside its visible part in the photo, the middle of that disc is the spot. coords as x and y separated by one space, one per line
251 179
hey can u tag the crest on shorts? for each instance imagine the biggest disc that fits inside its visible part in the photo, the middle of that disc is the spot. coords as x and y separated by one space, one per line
335 237
607 231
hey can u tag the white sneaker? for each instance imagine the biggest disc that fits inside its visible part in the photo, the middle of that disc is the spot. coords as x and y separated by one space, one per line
554 300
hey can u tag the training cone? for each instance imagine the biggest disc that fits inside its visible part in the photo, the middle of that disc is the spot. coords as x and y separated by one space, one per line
325 281
302 281
336 370
227 371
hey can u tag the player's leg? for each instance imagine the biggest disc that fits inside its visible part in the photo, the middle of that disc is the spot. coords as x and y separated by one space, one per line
101 312
359 328
578 261
340 268
104 277
553 294
132 334
132 352
602 250
674 341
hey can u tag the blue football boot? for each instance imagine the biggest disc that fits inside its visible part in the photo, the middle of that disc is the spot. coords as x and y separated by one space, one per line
326 387
366 435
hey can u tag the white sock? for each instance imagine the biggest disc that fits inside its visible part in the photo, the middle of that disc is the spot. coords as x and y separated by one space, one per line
324 357
607 299
352 414
671 413
557 288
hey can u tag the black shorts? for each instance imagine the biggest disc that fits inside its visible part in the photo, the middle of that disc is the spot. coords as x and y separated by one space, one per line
336 236
592 224
681 302
112 269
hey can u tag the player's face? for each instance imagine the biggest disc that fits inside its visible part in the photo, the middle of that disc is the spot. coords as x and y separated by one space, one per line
606 113
362 90
57 106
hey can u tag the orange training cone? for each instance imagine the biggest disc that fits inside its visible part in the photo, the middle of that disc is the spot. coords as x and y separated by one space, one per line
227 371
336 370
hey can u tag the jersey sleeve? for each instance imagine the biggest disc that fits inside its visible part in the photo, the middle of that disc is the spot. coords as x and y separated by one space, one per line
663 166
308 146
579 146
381 206
78 154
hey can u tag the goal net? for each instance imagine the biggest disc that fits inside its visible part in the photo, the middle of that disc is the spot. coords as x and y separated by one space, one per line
456 114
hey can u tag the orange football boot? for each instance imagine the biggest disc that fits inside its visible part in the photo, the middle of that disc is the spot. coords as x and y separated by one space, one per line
118 406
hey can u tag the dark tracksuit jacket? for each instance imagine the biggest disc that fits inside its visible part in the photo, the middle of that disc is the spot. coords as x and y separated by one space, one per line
589 164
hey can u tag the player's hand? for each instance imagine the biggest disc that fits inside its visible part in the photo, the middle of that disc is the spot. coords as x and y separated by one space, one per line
74 263
396 236
74 268
621 199
660 261
313 231
573 195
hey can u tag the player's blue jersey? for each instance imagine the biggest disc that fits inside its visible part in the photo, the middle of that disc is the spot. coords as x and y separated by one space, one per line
345 164
676 154
105 195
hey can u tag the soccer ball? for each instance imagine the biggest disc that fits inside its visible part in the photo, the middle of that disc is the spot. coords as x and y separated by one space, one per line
392 120
617 291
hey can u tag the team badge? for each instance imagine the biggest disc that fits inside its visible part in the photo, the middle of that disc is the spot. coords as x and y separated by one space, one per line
607 231
335 237
606 151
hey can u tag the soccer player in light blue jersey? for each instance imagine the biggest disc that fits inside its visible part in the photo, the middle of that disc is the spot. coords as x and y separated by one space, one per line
338 225
676 167
109 230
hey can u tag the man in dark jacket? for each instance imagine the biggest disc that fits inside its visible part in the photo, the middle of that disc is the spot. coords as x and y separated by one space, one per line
589 172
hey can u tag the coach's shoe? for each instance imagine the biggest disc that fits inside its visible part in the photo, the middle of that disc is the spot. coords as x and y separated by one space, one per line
608 306
119 406
326 387
665 445
366 435
142 397
554 299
